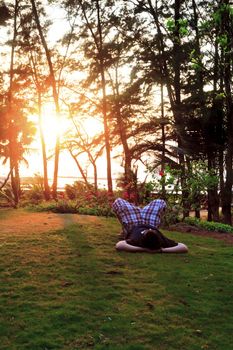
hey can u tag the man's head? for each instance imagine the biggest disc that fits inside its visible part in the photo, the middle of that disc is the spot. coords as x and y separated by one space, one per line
151 239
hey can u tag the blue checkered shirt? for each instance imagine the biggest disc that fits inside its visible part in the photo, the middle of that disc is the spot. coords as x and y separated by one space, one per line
129 215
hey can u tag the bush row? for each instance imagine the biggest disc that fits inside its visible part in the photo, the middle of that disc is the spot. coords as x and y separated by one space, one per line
68 206
209 225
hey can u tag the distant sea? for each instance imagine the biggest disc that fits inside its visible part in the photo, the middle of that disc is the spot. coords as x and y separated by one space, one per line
69 180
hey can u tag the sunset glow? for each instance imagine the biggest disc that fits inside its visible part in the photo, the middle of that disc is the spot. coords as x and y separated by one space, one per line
52 125
92 127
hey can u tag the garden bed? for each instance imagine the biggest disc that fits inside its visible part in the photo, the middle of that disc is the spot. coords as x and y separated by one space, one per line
182 227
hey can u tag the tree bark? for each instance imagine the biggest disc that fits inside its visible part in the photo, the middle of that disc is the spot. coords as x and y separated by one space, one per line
44 156
103 85
123 137
227 189
177 107
55 95
12 137
163 142
79 168
42 139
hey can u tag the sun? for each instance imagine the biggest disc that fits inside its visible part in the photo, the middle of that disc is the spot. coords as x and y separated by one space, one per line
52 125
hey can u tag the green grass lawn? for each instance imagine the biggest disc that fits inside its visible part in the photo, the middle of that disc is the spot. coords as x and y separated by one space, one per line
70 289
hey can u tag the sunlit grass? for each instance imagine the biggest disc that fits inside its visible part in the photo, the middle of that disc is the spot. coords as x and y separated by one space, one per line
69 289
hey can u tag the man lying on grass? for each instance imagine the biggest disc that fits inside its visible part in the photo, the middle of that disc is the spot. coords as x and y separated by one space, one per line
140 228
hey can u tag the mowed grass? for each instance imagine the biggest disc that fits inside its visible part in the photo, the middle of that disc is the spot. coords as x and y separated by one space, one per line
70 289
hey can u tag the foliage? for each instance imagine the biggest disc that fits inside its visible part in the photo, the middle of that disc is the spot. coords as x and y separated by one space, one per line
35 194
34 189
6 195
95 203
76 190
182 24
197 182
4 14
68 289
172 214
129 187
87 203
209 225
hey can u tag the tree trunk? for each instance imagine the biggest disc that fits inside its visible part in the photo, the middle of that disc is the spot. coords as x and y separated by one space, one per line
55 95
213 205
212 195
5 181
95 177
43 148
123 137
104 108
177 107
221 175
12 137
163 143
80 168
42 139
216 160
197 213
227 190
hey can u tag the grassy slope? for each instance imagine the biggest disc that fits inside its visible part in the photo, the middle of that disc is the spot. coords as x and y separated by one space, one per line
69 289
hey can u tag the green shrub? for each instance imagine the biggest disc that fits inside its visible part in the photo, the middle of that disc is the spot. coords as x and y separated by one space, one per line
209 225
78 189
172 214
93 205
70 192
40 207
35 193
61 206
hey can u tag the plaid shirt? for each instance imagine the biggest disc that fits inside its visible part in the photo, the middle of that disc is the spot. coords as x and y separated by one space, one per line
129 215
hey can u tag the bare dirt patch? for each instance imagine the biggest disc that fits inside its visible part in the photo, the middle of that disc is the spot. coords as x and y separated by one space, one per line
20 223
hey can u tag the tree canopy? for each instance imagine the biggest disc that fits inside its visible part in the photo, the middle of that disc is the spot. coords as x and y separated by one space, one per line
157 75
